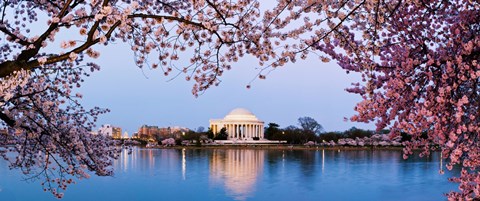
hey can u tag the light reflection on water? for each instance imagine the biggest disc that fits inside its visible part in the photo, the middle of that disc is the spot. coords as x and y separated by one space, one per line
252 174
237 170
184 164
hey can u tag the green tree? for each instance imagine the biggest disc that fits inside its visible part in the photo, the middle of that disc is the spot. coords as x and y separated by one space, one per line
210 134
190 135
295 135
355 132
222 135
272 131
329 136
200 129
310 125
198 141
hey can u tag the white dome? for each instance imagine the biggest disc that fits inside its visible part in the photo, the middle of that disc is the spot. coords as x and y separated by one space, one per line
240 114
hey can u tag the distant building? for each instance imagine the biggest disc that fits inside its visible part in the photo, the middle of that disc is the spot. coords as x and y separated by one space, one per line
109 130
155 132
117 132
125 135
177 131
149 132
240 123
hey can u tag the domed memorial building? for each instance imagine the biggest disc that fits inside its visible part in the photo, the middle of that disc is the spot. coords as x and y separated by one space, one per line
240 124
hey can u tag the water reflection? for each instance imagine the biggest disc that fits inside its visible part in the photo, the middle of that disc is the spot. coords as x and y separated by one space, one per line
254 175
122 164
149 161
237 169
323 160
184 164
242 174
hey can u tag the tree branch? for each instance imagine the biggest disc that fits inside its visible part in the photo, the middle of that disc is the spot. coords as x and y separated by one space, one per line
10 122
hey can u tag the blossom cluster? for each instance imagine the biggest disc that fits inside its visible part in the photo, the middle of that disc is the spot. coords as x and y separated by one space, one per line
374 140
168 142
420 70
418 61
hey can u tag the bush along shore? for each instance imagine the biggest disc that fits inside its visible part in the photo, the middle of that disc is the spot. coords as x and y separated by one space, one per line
288 138
377 141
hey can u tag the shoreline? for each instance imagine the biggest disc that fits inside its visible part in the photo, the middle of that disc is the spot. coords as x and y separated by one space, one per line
280 147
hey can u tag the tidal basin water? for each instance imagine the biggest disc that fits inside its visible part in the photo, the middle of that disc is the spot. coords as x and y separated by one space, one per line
251 174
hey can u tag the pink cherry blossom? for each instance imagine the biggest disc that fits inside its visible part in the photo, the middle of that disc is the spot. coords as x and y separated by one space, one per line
418 61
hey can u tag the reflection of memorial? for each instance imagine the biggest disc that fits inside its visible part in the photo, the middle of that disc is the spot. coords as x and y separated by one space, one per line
237 169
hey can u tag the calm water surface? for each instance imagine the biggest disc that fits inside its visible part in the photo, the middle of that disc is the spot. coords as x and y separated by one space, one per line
241 174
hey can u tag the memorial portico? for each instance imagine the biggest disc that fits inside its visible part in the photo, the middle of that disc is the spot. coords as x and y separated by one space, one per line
240 124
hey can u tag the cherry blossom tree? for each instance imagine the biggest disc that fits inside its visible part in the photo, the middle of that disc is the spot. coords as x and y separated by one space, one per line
48 47
168 142
418 60
420 70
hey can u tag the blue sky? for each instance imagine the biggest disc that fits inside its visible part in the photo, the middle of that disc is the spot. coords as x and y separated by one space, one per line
136 97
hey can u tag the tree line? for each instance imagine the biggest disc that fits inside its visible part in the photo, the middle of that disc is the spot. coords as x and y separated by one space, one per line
308 130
